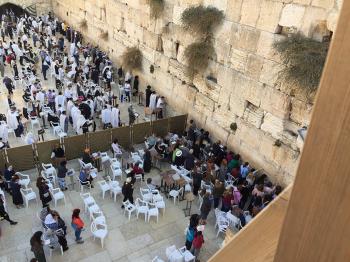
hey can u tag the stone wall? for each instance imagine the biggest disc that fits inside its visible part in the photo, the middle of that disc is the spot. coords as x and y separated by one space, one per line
42 6
246 91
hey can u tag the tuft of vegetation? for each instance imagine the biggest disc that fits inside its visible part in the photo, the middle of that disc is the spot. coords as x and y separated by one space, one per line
157 8
233 127
83 24
202 21
304 59
104 35
198 55
132 58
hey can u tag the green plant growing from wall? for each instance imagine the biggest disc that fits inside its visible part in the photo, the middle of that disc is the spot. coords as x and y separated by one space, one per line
200 21
198 55
83 24
104 35
132 59
304 59
156 8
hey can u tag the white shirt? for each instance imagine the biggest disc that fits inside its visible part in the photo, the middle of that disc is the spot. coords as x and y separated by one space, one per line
115 117
68 93
12 121
116 149
106 115
152 101
4 133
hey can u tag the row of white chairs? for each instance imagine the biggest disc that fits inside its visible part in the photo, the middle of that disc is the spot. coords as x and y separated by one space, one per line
98 225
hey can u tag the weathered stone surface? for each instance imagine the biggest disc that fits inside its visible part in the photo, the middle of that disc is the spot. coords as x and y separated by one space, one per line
246 66
326 4
250 12
269 15
292 15
313 16
233 11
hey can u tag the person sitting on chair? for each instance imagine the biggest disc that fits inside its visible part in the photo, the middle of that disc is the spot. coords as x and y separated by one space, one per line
85 177
138 170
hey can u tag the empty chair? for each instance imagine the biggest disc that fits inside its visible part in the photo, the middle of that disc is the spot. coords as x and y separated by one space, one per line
173 254
24 180
56 128
128 207
93 208
146 195
141 208
111 182
104 157
104 186
160 204
98 217
115 191
152 211
49 169
99 231
57 194
28 194
87 199
138 177
116 171
176 194
187 255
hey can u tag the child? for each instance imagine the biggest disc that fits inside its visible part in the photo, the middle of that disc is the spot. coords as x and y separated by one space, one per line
197 242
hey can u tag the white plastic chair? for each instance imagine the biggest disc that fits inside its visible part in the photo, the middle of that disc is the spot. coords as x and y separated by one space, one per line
138 177
104 186
87 199
160 204
233 220
24 180
247 216
146 195
104 157
28 194
56 128
99 231
50 177
116 171
222 226
98 218
83 165
129 207
141 208
94 208
49 169
157 259
115 191
187 255
176 194
83 184
57 194
153 211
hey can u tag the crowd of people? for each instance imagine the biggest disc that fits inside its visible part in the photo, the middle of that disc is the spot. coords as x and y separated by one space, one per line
82 97
83 91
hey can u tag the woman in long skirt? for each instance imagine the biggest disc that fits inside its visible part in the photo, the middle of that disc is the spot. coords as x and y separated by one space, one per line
16 193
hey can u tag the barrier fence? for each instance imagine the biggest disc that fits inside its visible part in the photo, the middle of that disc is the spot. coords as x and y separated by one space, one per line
31 156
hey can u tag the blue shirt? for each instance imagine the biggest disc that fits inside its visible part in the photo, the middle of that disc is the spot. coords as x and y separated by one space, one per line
82 176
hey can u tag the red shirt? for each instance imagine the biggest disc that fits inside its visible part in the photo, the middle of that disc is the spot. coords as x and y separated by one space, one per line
198 241
137 170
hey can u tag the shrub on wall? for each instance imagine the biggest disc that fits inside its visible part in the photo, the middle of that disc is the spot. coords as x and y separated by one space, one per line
83 24
132 58
304 59
202 20
104 35
156 7
198 55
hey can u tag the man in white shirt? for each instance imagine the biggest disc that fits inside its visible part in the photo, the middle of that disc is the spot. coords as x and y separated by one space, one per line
115 116
106 115
60 100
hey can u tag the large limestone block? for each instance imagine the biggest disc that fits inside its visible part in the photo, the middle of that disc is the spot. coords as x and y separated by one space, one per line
238 60
224 117
204 104
250 135
253 115
254 66
302 2
219 4
169 48
292 15
222 51
237 105
216 131
207 87
198 117
189 2
225 77
250 12
265 46
150 39
233 11
275 102
244 37
184 91
313 16
269 72
332 20
326 4
254 92
178 70
134 31
223 31
273 125
301 112
177 12
161 61
269 15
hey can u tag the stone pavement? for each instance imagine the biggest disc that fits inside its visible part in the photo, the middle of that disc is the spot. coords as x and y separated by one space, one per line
133 240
